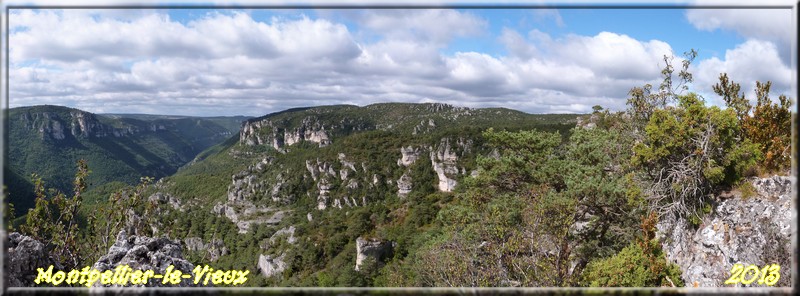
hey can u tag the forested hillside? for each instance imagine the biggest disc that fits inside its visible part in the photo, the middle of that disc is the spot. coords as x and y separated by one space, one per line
48 140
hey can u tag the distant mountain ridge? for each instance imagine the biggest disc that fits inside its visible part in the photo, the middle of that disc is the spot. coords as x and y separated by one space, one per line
318 124
48 140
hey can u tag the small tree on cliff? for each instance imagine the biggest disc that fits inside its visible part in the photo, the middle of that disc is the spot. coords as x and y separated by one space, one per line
768 124
54 219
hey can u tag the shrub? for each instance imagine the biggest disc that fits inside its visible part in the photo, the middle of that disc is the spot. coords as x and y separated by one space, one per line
768 124
687 151
640 264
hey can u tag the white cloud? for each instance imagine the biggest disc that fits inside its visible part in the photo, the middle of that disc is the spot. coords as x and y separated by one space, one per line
432 26
749 62
233 64
773 25
516 44
613 55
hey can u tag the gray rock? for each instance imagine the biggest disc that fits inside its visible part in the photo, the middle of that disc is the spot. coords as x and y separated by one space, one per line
374 249
409 155
145 253
753 230
286 231
214 249
194 244
443 160
269 266
164 198
404 186
277 135
25 255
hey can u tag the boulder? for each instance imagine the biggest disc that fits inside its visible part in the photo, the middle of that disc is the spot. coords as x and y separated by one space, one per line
25 255
374 249
409 155
269 266
145 253
404 186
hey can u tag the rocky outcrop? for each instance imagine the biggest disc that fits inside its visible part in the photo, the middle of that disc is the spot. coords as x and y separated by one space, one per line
166 199
245 213
404 186
587 121
244 184
747 230
325 175
372 250
320 169
145 253
279 134
408 155
270 266
213 249
49 125
287 232
78 124
324 190
347 167
444 160
86 125
424 127
23 257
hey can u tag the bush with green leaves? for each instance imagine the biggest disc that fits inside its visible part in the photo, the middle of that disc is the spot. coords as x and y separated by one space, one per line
767 124
54 219
688 150
641 264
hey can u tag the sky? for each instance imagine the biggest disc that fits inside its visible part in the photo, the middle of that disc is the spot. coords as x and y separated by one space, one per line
211 62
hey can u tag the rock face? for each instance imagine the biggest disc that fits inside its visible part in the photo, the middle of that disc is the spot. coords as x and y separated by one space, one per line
288 232
754 230
444 159
245 213
279 134
404 186
245 185
25 255
214 249
144 253
165 198
409 155
78 124
271 266
373 249
325 175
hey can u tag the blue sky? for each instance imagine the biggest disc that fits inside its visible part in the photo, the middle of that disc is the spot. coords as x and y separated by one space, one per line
253 62
669 25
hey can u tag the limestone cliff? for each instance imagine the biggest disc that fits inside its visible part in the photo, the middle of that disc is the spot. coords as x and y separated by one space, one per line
370 250
747 230
76 123
281 133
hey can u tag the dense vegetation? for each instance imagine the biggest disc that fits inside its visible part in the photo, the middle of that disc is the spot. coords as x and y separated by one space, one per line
541 202
150 146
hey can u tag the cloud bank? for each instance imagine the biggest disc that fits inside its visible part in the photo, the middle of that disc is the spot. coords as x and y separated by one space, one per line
228 63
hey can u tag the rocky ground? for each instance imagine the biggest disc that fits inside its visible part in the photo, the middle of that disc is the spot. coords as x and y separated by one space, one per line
746 230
